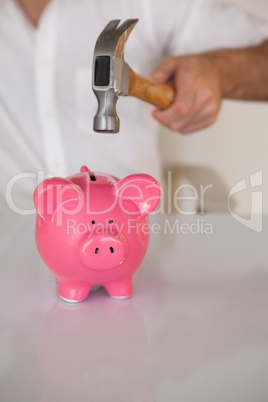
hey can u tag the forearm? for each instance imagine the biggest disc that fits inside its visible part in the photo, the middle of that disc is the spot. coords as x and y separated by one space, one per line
201 81
244 72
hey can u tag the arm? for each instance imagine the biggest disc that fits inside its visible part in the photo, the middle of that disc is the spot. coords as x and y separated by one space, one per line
245 73
201 82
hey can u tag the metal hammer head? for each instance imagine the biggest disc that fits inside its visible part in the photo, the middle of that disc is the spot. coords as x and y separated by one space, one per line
110 76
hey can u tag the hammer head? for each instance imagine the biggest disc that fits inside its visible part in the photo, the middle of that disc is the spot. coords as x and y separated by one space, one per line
110 76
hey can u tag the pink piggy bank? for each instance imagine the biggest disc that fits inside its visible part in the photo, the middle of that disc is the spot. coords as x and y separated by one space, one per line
93 229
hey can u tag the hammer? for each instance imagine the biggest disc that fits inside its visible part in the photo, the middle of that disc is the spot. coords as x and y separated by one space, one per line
112 77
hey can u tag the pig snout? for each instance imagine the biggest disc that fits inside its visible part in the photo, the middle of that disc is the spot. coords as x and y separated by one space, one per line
103 252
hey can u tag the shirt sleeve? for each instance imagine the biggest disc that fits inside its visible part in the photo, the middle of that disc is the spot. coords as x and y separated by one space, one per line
214 24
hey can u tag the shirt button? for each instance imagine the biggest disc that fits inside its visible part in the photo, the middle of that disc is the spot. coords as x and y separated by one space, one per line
49 115
56 165
44 62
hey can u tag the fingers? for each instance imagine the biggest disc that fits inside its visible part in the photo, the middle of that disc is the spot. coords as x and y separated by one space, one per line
197 93
204 118
164 71
204 113
183 104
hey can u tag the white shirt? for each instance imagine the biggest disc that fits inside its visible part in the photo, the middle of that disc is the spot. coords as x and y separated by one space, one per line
46 101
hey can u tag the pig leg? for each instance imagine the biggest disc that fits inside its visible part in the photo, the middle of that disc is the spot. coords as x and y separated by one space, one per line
73 293
119 288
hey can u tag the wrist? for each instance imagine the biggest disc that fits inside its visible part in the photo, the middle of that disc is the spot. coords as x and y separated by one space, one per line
241 72
226 63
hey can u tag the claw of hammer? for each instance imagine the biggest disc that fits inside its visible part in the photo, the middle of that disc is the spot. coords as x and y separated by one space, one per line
112 77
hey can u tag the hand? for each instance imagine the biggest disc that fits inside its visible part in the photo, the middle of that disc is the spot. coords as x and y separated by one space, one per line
198 92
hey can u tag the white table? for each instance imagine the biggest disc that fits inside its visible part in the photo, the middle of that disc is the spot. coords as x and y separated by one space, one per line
195 329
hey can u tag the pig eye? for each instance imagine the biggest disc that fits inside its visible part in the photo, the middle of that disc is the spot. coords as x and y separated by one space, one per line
110 221
93 222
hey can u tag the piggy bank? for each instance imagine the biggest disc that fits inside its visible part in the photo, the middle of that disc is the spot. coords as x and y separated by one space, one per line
93 229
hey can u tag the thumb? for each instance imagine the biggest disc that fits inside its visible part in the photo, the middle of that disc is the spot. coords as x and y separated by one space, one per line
164 71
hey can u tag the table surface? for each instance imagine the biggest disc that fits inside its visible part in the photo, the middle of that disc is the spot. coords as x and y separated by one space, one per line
195 329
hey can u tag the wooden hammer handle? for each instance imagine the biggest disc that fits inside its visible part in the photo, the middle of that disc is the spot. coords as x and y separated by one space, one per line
159 95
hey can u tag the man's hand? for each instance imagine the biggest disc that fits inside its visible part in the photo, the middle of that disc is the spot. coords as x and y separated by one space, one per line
197 82
202 81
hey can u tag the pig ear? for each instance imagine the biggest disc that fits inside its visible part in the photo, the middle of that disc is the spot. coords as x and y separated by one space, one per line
142 189
84 169
53 193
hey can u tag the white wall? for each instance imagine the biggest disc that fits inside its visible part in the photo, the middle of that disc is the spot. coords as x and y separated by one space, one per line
236 146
